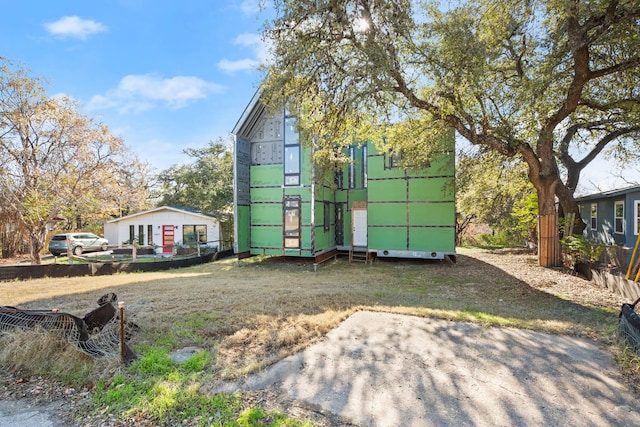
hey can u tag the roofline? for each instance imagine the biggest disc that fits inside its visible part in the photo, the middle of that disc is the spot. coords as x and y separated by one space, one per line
247 110
161 208
609 193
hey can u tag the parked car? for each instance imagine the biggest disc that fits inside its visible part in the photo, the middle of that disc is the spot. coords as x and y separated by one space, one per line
80 242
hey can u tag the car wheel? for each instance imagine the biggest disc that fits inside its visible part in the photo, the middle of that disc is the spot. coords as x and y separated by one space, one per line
77 251
104 247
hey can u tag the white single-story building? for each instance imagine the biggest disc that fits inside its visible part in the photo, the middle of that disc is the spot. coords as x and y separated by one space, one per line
163 228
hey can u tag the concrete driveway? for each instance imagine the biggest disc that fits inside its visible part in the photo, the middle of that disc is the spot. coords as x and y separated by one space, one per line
379 369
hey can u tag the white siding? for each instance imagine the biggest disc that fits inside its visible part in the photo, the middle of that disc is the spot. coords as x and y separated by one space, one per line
117 231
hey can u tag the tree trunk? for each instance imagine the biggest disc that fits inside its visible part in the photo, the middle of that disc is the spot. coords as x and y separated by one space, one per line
567 206
548 239
37 238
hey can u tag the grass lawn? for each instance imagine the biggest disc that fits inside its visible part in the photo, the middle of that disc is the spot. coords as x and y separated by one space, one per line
250 314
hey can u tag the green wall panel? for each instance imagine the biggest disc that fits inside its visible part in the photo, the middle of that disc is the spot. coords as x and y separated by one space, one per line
387 213
432 189
388 190
266 175
432 213
391 238
266 237
306 238
443 165
242 226
266 214
266 195
432 239
322 239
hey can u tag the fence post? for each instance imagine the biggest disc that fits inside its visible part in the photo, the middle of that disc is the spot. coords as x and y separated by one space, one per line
123 350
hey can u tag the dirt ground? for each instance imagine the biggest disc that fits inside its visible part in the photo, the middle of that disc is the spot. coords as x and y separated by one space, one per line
62 401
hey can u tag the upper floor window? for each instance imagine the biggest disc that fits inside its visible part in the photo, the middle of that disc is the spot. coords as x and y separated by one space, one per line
352 166
365 165
291 152
391 160
636 216
618 208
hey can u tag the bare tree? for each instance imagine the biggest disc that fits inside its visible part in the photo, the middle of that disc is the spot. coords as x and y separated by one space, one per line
53 160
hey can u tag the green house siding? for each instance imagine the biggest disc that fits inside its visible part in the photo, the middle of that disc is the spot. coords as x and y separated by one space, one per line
409 213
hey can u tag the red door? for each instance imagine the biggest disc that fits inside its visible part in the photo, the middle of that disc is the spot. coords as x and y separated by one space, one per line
168 232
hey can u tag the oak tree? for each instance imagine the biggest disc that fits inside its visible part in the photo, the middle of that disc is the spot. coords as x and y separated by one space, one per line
552 83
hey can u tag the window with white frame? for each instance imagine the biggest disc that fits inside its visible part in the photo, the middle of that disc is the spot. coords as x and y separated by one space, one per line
636 216
594 216
618 208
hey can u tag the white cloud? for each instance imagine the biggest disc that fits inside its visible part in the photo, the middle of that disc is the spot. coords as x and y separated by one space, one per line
250 7
250 41
74 27
137 93
239 65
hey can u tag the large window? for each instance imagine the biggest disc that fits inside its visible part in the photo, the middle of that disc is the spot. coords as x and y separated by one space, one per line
132 233
291 152
619 217
150 235
594 216
352 166
194 233
141 235
365 165
292 222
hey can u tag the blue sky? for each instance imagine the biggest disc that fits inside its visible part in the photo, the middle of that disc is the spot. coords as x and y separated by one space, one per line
163 75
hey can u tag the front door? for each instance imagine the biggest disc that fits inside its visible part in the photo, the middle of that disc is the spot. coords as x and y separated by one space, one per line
359 224
168 238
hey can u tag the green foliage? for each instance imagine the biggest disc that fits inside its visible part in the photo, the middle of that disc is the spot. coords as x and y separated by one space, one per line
548 83
169 393
58 162
205 184
497 193
581 249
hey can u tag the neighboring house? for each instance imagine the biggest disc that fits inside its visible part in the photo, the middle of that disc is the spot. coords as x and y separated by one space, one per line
164 227
612 217
371 207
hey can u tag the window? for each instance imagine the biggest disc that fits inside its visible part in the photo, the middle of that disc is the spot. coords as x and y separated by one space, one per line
352 166
194 233
391 160
619 217
141 235
132 234
338 179
291 152
150 235
365 165
292 222
327 216
594 216
636 216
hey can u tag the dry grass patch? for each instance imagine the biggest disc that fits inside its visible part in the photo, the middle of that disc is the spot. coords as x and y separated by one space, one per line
45 353
253 313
